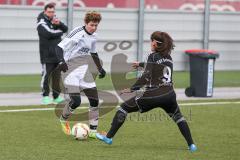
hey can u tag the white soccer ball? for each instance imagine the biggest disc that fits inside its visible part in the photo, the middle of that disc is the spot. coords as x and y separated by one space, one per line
80 131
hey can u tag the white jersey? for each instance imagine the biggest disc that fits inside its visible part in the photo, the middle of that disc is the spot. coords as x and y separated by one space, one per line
78 43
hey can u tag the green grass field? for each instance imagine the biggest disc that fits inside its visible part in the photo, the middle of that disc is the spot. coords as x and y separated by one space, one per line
31 83
37 135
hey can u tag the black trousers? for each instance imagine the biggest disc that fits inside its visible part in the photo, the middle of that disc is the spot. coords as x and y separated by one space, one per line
150 100
50 78
147 101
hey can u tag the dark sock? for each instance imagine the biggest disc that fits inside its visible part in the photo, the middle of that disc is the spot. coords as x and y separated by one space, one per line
183 127
117 122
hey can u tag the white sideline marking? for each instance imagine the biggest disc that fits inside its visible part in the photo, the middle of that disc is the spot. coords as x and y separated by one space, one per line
207 103
27 110
180 104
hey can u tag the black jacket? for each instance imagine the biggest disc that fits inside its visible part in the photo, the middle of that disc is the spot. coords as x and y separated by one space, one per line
157 72
49 36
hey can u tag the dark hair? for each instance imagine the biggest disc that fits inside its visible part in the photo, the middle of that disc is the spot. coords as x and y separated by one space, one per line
164 42
49 5
93 16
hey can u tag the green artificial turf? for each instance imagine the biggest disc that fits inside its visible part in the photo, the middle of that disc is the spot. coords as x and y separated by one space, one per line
37 135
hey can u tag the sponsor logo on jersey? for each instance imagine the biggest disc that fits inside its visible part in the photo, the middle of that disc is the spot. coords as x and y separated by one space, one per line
84 50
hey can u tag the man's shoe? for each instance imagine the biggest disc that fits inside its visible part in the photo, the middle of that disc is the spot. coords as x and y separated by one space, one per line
46 100
58 100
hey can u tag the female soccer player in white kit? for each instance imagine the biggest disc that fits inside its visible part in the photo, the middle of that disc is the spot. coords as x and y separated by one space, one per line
76 52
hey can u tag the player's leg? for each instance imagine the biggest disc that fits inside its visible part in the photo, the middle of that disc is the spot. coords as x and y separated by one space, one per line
88 85
184 129
137 103
56 77
75 101
168 102
92 95
121 114
119 118
173 110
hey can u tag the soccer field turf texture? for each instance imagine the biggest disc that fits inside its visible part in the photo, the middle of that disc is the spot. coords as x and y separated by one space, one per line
37 135
31 83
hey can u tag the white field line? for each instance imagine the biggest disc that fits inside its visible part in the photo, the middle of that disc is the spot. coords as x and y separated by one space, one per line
208 103
180 104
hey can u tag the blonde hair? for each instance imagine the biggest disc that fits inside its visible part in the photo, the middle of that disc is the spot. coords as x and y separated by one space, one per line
93 16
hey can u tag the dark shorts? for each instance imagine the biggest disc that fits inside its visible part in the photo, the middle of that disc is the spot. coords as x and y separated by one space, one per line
146 102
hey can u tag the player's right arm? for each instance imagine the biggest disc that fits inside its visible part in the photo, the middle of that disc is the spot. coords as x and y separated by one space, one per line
62 65
146 76
65 46
71 40
135 65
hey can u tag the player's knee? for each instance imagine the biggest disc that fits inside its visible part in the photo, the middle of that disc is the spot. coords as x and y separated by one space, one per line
94 102
178 117
75 102
125 108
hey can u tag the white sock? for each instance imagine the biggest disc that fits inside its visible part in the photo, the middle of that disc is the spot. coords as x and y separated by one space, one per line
67 112
93 118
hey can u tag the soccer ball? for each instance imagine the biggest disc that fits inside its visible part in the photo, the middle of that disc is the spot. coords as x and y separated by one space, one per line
80 131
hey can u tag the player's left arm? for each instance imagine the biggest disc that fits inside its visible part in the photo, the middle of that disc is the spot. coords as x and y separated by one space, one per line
97 61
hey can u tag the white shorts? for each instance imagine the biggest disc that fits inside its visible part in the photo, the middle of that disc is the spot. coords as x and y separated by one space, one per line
77 79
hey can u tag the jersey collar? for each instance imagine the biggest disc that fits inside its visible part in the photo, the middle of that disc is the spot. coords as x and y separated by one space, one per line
86 31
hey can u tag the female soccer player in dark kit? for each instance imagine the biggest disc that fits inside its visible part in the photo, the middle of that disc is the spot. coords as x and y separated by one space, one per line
154 89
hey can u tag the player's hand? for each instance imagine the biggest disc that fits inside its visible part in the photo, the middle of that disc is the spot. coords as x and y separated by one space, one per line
135 65
102 73
63 66
126 90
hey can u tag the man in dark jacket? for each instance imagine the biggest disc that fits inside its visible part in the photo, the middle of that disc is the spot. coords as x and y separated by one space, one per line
50 29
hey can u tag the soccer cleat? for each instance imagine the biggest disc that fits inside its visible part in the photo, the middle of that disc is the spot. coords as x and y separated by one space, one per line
46 100
104 138
192 147
65 126
58 100
92 134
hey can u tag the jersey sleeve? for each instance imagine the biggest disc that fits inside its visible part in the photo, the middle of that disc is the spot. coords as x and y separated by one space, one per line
93 47
68 43
146 76
71 40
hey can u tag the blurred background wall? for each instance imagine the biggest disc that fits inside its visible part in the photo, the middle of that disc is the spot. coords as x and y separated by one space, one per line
183 19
